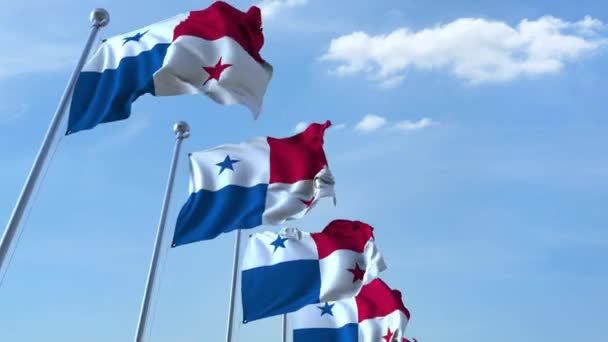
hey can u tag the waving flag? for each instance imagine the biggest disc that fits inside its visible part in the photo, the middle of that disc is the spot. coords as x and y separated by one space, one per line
215 51
377 313
262 181
284 272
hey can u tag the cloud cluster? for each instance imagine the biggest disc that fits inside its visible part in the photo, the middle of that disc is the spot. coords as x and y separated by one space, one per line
371 123
271 8
301 126
407 125
475 50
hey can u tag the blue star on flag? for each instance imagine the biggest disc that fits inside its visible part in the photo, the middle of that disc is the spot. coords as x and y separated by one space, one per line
227 164
326 309
279 242
134 38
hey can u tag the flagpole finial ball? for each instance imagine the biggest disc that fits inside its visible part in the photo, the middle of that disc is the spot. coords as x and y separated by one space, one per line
181 129
100 17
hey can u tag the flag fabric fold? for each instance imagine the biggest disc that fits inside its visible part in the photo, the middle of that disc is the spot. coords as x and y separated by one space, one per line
284 272
215 51
376 313
263 181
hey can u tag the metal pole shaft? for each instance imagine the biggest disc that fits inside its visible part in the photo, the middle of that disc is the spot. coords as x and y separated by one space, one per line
182 131
284 327
99 19
235 266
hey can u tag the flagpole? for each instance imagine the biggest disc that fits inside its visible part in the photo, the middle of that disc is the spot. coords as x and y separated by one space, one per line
235 265
99 18
182 131
284 327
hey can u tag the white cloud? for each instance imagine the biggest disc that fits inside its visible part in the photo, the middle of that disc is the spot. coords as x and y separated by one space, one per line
391 82
370 123
407 125
589 26
472 49
301 126
271 8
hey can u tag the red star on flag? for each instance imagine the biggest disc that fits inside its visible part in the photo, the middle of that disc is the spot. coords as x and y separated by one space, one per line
389 336
357 272
216 70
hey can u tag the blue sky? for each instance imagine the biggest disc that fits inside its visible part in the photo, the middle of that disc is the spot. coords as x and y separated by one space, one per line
471 136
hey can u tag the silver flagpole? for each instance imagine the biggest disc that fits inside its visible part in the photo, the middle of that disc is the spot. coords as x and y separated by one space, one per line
99 18
182 131
235 266
284 327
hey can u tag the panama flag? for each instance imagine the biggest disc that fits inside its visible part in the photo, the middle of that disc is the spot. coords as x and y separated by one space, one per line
376 314
263 181
215 51
284 272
